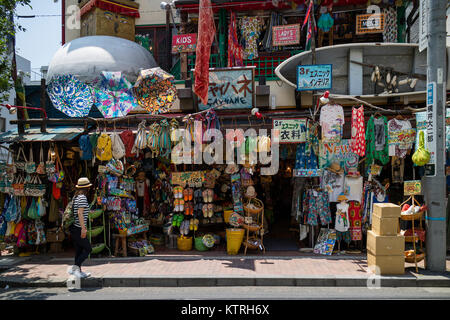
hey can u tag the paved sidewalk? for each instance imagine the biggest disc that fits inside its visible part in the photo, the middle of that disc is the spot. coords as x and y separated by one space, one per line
214 270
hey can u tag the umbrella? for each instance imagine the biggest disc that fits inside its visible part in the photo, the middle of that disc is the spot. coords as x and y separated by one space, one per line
155 91
70 95
113 95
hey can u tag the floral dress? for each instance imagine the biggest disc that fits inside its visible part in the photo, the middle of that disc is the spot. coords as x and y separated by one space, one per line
251 28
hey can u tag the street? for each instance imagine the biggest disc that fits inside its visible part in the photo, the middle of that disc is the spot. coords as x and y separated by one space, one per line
224 293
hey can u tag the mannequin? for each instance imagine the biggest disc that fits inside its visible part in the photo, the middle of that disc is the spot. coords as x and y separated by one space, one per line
342 224
142 195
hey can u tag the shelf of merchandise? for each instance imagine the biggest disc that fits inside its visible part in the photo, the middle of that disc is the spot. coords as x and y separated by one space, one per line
254 218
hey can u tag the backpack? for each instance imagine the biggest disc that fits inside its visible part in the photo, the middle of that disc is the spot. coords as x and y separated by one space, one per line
127 137
118 148
103 151
86 147
68 216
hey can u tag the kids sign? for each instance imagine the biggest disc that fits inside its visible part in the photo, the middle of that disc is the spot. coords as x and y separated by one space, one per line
184 43
314 77
291 130
286 35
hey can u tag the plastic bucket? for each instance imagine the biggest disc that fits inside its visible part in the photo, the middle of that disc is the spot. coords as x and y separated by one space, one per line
234 240
199 246
227 214
184 243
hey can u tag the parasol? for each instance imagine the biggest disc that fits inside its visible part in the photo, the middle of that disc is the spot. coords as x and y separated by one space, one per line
70 95
155 91
113 95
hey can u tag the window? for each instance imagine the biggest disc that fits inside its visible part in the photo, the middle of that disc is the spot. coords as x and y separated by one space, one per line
2 124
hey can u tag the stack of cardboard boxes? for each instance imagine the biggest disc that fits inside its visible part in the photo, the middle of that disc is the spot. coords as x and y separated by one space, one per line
385 247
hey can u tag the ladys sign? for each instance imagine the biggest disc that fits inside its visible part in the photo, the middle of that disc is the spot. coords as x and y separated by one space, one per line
337 152
286 35
184 43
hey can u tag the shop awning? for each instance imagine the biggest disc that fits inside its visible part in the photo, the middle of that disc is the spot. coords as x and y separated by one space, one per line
35 134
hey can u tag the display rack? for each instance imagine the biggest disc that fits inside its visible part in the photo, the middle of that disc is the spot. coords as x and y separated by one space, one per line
96 231
254 225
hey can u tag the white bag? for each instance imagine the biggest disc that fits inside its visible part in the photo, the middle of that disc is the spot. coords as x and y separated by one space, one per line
118 148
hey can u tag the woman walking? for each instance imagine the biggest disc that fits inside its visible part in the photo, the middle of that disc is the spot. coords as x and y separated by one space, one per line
78 229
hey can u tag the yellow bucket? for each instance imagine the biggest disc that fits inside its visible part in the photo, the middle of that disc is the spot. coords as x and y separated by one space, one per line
234 240
227 214
184 243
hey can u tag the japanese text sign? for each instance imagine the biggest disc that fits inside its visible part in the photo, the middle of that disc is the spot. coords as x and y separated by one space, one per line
184 43
291 130
340 152
286 35
190 178
431 121
314 77
369 23
232 88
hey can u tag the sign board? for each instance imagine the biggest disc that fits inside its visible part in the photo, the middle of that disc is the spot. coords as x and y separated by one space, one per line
340 152
431 128
307 172
369 23
234 87
314 77
423 25
286 35
375 169
190 178
184 43
412 188
291 130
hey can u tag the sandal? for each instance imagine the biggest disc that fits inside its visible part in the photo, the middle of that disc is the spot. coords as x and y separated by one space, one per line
190 194
196 222
205 210
205 195
191 224
186 194
210 195
210 210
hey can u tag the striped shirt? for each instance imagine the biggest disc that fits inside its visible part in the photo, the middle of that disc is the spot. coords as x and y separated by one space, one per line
80 201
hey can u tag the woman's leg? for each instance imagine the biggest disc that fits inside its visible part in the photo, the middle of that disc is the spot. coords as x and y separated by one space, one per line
86 250
75 233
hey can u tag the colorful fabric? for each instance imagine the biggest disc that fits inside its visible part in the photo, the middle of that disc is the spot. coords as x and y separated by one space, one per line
390 24
401 137
251 28
343 236
342 223
235 51
318 208
70 96
113 95
325 22
332 122
155 91
354 215
312 138
303 161
206 32
376 141
333 183
110 6
358 142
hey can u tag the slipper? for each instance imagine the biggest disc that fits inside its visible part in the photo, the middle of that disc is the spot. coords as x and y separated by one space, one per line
176 204
191 208
210 195
186 194
198 195
196 222
181 205
191 224
190 194
205 195
205 210
210 210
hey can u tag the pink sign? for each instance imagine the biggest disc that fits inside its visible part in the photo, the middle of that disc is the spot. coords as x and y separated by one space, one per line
184 43
286 35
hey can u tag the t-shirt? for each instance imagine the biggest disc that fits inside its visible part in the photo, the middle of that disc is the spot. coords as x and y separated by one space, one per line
353 188
342 223
380 134
80 201
332 122
395 129
333 183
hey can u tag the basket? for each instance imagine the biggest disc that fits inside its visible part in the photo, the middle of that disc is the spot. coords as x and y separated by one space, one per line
157 239
419 257
98 248
95 231
250 245
410 217
93 214
227 214
251 227
256 202
184 243
199 246
234 240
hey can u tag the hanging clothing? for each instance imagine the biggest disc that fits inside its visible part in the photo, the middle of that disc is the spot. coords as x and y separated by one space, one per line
376 141
325 22
251 28
401 137
303 161
398 168
317 205
358 142
333 183
353 188
332 122
390 24
235 51
342 223
312 138
354 215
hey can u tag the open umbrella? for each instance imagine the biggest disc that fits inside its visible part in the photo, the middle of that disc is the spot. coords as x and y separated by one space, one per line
113 95
70 95
155 91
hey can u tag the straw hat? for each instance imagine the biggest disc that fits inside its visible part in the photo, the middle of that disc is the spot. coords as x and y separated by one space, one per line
353 172
342 197
83 183
335 167
251 192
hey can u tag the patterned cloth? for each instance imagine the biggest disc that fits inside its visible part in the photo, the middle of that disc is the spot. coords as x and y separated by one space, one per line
318 207
345 236
155 91
70 96
376 141
251 28
390 24
354 215
235 52
113 95
303 161
358 142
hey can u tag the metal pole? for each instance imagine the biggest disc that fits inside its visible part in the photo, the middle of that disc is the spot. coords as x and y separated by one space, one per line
435 186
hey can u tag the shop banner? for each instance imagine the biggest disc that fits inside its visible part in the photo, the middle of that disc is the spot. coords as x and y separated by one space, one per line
184 43
325 242
286 35
370 23
340 152
307 172
190 178
431 127
421 125
423 25
314 77
412 188
231 88
291 130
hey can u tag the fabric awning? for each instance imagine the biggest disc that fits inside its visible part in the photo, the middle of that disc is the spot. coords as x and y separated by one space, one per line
35 135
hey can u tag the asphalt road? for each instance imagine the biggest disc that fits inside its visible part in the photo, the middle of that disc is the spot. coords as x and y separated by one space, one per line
224 293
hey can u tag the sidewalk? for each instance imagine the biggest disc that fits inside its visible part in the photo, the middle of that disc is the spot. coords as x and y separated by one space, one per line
209 269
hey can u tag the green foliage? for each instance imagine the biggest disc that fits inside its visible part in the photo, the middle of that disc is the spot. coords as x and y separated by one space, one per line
8 29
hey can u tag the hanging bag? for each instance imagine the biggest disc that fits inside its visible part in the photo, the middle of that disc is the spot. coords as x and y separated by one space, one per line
30 166
140 142
41 167
41 208
10 167
118 148
20 164
422 155
153 139
58 174
127 138
11 211
103 151
19 186
33 210
50 164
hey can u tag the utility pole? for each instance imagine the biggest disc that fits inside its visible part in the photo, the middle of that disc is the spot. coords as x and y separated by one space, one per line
434 183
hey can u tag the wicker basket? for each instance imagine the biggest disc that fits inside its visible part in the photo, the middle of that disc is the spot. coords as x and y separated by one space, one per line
258 203
251 227
419 257
410 217
251 245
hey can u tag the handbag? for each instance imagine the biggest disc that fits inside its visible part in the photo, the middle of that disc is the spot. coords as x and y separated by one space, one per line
19 186
41 167
10 167
58 174
50 164
20 164
115 167
33 210
30 166
41 208
35 188
11 212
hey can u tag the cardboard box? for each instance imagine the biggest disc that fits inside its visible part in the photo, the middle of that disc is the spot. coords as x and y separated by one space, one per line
384 226
386 265
387 210
385 245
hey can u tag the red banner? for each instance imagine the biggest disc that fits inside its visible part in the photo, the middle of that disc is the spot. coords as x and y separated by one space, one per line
184 43
110 6
286 35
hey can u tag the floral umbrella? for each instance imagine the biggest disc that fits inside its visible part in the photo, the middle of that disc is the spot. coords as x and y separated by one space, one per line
155 91
70 95
113 95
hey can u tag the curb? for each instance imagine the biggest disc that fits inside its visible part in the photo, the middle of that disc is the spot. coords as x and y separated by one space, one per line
214 281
